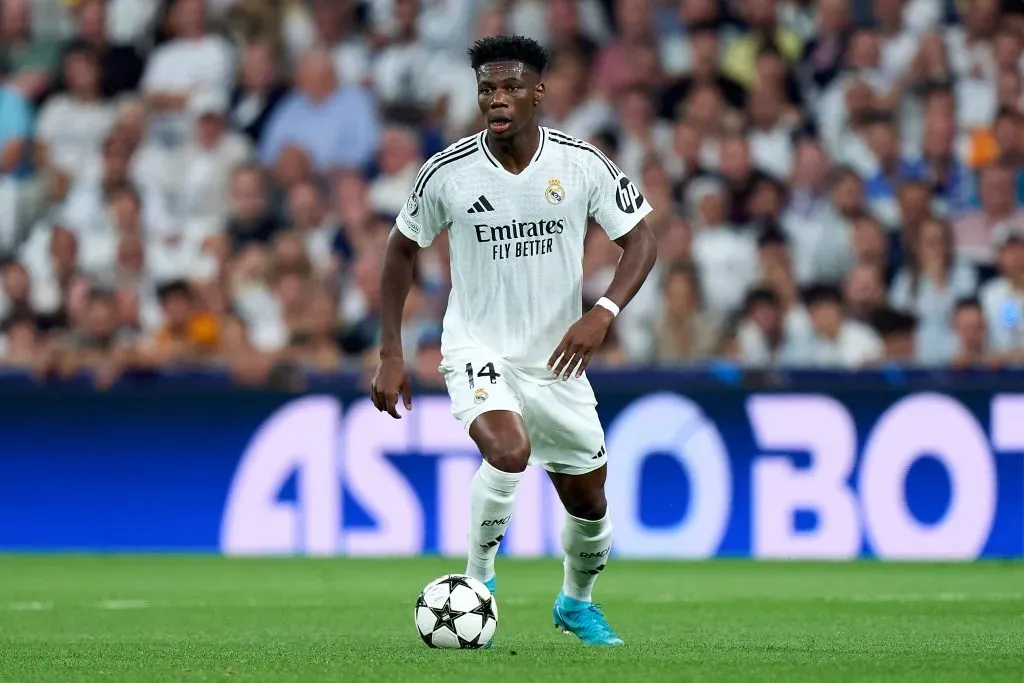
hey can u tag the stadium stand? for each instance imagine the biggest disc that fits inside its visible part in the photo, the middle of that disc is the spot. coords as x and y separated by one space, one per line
210 183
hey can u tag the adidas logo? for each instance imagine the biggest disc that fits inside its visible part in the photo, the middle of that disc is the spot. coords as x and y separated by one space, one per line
481 205
600 454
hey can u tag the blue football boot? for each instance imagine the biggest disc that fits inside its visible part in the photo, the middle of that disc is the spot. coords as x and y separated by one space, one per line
492 585
585 620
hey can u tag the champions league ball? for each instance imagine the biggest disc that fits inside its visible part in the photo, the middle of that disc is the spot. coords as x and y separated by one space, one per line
456 612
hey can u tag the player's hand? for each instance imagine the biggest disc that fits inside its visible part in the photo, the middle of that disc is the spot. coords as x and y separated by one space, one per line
390 380
580 343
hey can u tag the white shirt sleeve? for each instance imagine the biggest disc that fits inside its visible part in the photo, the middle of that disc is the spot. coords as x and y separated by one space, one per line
614 201
155 77
425 214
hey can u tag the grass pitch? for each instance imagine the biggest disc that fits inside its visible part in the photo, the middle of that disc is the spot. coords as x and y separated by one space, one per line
155 619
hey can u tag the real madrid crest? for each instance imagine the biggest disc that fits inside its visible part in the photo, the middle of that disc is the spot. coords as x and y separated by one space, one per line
412 207
480 395
555 194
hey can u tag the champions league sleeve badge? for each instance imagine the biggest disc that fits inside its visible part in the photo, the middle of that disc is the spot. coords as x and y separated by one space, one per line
412 207
555 194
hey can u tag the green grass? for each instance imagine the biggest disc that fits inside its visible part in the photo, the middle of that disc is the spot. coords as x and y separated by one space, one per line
154 619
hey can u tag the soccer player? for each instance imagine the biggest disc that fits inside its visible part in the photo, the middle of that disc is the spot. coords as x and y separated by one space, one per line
515 200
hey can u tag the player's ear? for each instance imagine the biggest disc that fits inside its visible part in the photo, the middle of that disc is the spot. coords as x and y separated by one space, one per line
538 93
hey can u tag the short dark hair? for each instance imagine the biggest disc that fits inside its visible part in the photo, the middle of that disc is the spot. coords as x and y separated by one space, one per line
506 48
967 302
888 321
20 316
759 296
822 294
173 288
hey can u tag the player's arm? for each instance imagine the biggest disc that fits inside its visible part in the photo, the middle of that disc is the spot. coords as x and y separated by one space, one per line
419 222
392 378
619 208
639 252
396 281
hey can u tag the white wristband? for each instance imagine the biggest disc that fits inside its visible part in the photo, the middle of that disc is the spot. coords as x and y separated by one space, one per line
605 302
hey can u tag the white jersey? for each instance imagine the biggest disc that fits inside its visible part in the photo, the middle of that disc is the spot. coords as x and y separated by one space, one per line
516 241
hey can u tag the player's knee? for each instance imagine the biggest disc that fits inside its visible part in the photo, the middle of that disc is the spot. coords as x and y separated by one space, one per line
510 456
593 506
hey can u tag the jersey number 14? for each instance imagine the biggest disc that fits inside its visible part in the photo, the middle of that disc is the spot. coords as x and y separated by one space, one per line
486 371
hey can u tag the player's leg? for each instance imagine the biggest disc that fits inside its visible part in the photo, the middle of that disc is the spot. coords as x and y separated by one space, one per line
486 401
587 533
501 437
587 542
568 441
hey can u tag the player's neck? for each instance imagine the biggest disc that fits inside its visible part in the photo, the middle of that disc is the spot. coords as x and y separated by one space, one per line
516 153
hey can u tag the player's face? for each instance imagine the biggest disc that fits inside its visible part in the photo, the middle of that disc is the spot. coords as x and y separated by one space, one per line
508 94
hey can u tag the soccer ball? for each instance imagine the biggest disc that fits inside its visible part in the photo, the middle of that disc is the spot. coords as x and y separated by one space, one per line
456 612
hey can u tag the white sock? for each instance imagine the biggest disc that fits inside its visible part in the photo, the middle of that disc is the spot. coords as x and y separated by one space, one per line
587 545
491 496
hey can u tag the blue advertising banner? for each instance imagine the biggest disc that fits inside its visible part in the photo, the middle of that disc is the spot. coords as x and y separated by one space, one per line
825 468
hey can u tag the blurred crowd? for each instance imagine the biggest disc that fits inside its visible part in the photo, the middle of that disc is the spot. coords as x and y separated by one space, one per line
195 183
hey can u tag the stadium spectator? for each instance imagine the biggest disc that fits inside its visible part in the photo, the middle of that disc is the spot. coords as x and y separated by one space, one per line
258 93
725 256
15 150
565 29
398 161
783 146
149 158
705 69
1000 210
569 103
892 168
111 39
187 335
404 94
73 124
335 126
914 206
1002 297
86 210
819 236
19 341
249 220
824 54
871 247
760 335
634 20
319 230
835 340
15 290
971 345
96 342
740 176
315 345
335 27
930 284
193 60
641 135
771 134
897 330
53 267
428 358
200 171
863 292
29 60
684 334
761 17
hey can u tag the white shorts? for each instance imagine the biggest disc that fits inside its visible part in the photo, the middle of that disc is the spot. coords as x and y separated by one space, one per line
561 417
